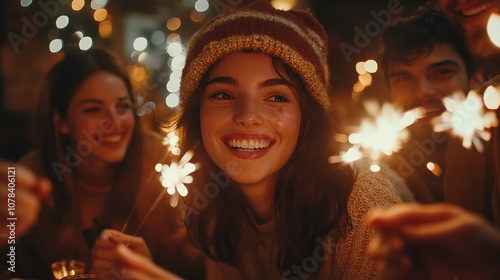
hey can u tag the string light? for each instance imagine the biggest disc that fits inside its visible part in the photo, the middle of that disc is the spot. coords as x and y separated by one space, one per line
491 97
77 5
493 27
62 21
85 43
55 45
26 3
140 44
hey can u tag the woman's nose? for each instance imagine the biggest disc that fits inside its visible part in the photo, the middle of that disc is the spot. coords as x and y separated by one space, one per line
113 120
249 112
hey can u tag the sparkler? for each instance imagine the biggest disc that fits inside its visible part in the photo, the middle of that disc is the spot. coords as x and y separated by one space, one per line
466 118
173 177
383 133
172 142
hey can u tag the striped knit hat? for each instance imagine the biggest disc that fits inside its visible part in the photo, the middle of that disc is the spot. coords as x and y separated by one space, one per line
294 36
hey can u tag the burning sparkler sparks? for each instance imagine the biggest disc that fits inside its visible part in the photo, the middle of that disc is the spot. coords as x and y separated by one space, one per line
466 118
174 176
383 133
386 131
172 142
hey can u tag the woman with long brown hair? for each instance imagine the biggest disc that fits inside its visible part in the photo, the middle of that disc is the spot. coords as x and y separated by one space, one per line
266 204
99 161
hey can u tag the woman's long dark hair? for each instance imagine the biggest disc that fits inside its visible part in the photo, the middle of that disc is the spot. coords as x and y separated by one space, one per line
311 195
59 87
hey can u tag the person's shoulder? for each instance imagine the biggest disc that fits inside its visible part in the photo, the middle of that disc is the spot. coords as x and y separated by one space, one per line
377 189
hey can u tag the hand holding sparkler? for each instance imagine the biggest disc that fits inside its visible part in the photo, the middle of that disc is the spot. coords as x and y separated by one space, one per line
105 262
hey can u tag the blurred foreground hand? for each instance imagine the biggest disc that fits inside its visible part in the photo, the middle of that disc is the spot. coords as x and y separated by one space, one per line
434 241
22 189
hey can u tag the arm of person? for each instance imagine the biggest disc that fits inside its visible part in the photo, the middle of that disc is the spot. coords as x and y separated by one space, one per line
24 191
434 240
370 191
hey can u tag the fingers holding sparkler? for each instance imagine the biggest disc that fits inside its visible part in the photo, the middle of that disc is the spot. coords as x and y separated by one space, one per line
105 261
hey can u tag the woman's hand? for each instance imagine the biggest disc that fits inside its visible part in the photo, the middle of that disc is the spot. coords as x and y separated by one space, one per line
105 260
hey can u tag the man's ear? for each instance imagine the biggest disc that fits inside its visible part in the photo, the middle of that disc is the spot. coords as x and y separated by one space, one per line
61 124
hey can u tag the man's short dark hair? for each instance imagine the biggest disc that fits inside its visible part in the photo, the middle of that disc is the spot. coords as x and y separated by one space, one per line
408 38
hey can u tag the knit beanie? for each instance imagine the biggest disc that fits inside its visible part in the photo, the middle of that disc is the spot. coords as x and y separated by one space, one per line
295 36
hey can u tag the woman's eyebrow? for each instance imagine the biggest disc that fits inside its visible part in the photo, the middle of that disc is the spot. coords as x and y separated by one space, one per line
223 80
276 82
89 100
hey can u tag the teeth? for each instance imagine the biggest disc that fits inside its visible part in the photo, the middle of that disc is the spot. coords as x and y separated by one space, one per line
477 10
248 144
111 139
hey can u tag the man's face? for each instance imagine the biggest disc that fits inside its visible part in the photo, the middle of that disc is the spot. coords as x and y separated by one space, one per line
473 16
426 80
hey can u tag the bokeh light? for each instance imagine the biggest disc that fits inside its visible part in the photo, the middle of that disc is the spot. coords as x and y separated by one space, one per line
85 43
26 3
174 23
371 66
62 21
201 6
100 15
105 29
55 45
77 5
140 43
172 100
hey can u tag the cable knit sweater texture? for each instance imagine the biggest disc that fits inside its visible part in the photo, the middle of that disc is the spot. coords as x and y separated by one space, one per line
349 260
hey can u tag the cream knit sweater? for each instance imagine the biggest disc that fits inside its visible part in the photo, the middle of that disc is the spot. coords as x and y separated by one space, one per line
349 261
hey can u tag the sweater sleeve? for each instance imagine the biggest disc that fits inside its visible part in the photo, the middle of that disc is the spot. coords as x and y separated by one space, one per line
370 191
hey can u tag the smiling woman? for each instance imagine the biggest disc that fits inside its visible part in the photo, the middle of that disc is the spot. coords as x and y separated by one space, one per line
255 90
99 160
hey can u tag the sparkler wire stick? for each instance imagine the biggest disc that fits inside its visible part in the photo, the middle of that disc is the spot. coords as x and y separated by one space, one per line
125 225
180 167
